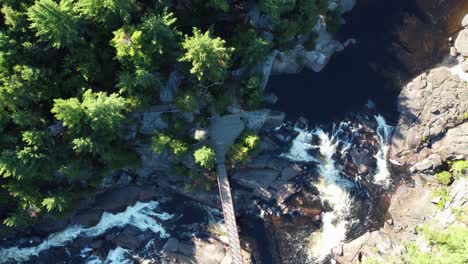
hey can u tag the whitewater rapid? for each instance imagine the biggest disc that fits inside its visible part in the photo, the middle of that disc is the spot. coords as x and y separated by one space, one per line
140 215
334 187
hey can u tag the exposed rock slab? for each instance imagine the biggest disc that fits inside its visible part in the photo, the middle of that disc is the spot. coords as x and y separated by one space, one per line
430 105
461 43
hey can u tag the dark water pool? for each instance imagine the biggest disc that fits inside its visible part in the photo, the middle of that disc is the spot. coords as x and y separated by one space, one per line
355 75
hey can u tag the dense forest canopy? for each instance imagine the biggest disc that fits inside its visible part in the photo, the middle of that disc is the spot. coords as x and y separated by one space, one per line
72 70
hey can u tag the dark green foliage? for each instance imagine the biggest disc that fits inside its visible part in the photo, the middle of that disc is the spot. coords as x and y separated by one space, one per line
187 102
205 157
148 44
54 23
208 55
276 8
72 70
221 5
249 48
163 142
333 20
252 93
106 12
97 113
244 146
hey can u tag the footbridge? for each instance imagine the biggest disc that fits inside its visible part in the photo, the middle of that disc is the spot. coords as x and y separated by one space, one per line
223 132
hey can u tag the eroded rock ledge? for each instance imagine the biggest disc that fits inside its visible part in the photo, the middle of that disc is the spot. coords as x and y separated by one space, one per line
432 109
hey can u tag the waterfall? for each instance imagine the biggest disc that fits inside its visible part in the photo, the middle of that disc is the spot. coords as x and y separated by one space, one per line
335 188
384 132
300 147
140 215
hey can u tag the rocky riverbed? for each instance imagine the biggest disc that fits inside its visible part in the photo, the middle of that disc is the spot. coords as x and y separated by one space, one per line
314 193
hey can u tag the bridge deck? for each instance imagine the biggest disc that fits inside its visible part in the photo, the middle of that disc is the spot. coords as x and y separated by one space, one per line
223 132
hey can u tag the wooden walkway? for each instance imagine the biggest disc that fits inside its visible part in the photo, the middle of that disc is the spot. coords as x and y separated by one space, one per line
223 132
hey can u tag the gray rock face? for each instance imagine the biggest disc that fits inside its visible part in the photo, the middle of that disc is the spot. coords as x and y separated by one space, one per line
151 120
430 105
128 238
255 178
265 68
464 22
116 200
454 143
87 218
209 251
410 208
461 43
325 47
169 90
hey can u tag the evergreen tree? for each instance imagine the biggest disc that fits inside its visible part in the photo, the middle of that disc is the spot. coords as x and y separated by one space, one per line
98 113
276 8
106 12
209 56
205 157
54 23
222 5
148 44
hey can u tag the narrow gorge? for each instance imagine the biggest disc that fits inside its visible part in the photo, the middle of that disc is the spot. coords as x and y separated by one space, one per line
362 147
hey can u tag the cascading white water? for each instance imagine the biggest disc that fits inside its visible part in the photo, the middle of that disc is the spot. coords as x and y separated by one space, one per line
384 132
140 215
332 186
300 147
335 188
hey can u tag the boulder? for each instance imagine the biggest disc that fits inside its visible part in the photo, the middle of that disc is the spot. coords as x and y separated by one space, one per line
429 106
255 178
363 160
283 191
50 225
151 120
464 22
171 245
453 52
461 43
290 172
254 120
454 143
147 193
87 218
128 238
411 206
326 45
116 200
289 62
431 162
274 120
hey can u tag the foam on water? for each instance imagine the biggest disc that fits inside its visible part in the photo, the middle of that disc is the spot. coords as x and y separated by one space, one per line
384 132
300 147
140 215
333 186
334 190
